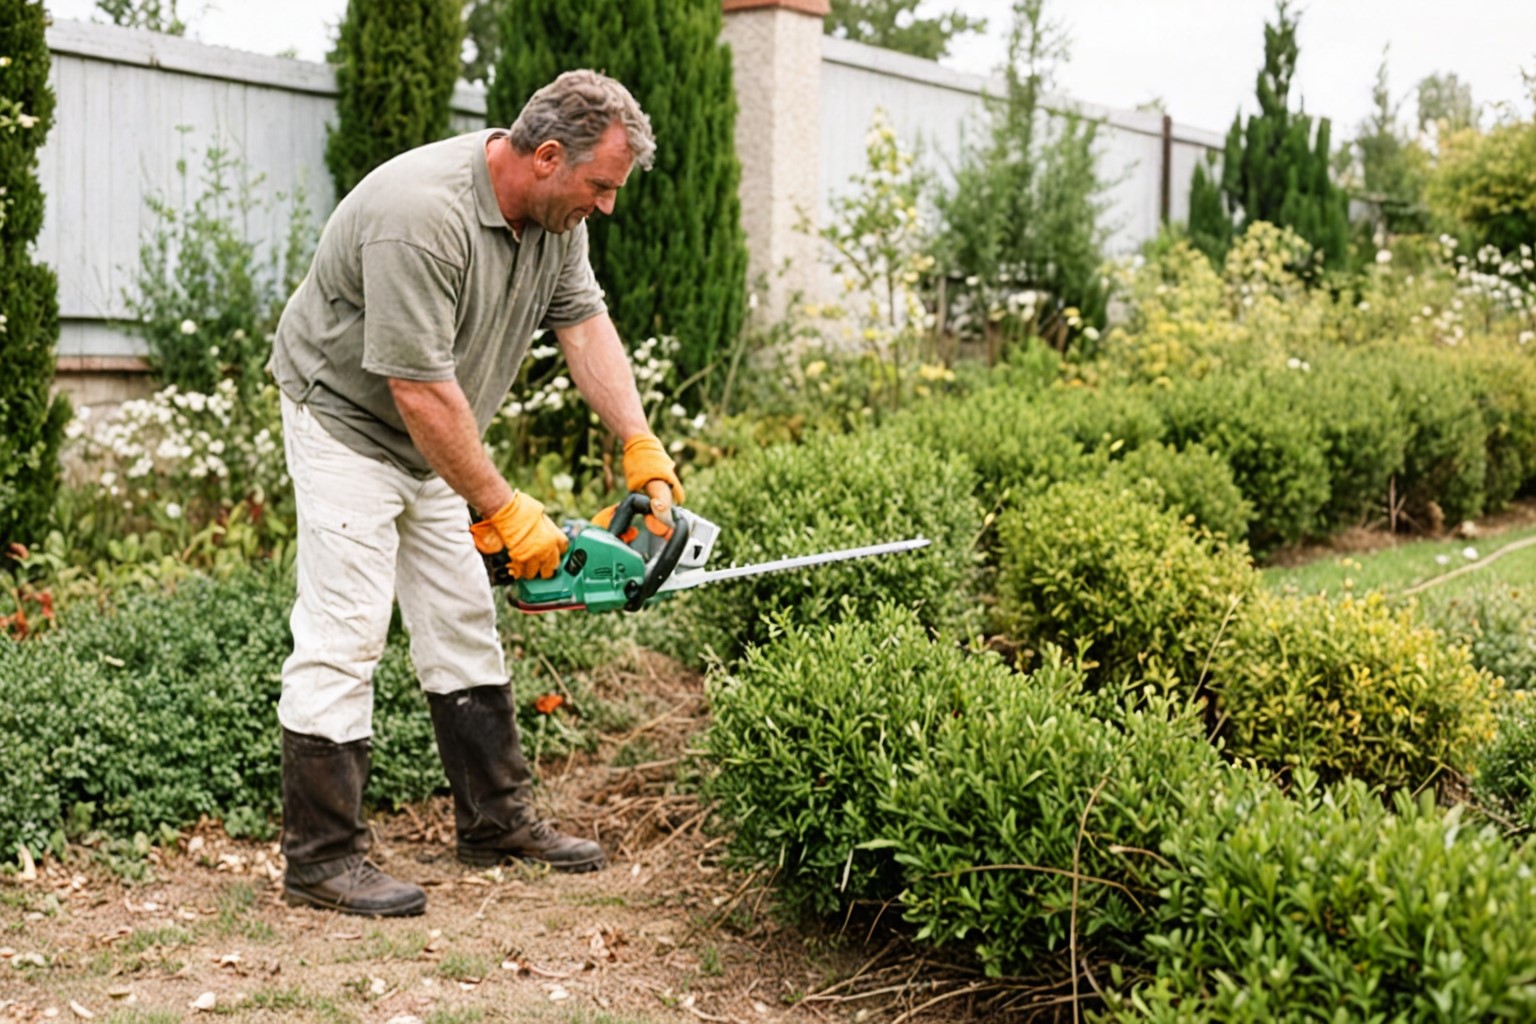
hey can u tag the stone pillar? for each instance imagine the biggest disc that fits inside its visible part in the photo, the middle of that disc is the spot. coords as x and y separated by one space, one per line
776 57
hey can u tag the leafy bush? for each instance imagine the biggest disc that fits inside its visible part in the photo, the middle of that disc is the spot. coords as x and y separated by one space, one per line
1194 483
1330 907
1505 385
163 707
204 297
1130 588
808 735
836 492
1276 452
1011 439
1506 767
1497 623
1348 688
1364 431
1025 815
1446 459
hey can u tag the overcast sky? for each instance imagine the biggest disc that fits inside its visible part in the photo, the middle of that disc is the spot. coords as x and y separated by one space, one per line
1198 57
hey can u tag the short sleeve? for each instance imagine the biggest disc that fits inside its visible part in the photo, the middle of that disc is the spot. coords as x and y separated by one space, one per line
577 296
409 303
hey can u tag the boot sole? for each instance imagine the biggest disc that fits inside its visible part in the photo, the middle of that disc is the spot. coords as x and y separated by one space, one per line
496 858
295 898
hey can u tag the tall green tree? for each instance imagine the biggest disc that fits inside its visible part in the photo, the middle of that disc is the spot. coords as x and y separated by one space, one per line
1276 167
672 258
396 64
895 25
482 32
1024 216
1391 165
31 421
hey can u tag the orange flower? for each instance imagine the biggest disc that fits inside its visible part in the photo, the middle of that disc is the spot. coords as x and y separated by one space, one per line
547 703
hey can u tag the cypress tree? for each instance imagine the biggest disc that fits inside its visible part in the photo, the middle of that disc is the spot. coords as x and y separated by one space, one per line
672 258
1276 166
31 421
396 63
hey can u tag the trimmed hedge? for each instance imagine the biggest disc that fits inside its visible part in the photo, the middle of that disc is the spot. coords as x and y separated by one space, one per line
1348 688
1329 907
866 763
836 492
1131 589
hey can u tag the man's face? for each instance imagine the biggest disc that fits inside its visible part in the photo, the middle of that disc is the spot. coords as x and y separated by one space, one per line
574 191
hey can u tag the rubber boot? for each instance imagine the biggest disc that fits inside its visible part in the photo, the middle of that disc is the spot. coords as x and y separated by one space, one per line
325 840
477 740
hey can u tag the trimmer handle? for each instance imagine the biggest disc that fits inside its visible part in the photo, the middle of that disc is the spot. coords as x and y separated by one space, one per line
659 569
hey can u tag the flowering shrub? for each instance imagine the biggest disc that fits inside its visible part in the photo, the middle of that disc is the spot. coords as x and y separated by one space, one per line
205 298
880 247
549 441
185 468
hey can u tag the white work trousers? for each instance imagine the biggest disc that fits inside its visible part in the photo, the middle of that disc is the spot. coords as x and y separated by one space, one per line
369 533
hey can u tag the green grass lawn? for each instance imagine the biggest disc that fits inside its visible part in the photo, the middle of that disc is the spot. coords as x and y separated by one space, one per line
1414 563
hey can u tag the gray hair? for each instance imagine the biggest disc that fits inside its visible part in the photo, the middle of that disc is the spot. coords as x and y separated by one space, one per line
575 110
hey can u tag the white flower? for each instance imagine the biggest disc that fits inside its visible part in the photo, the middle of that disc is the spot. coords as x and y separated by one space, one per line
698 422
752 301
1293 363
543 352
5 62
563 482
108 478
1469 553
560 383
1364 307
26 120
1383 256
1526 337
188 327
1442 559
172 510
677 411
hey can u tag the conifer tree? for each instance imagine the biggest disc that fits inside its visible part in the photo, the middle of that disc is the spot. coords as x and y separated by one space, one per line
396 63
672 258
1276 167
31 421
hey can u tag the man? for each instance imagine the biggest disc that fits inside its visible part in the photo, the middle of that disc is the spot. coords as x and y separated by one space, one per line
393 356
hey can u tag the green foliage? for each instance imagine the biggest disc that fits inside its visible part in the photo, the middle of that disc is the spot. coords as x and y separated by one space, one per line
1488 182
1015 439
1504 384
396 64
1133 590
150 15
895 25
1497 623
205 297
673 257
1387 166
1276 168
1348 688
31 420
1210 225
880 249
1194 483
831 493
163 708
1365 432
482 31
1446 460
1331 907
1024 816
809 734
1022 222
1276 451
1506 767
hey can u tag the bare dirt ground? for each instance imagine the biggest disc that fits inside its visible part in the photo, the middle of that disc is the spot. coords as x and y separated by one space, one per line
665 933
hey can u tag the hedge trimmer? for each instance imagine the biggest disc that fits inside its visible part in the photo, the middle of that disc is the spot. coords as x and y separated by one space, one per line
602 573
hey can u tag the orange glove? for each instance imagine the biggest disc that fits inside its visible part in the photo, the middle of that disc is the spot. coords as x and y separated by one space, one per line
519 541
604 518
645 461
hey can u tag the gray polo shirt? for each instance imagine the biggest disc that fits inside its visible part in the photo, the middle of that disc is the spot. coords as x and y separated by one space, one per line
418 276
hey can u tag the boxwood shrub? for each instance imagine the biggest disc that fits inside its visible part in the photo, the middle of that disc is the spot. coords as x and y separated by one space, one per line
836 492
1275 450
1446 457
1195 483
1013 439
1330 907
1349 688
1132 589
162 707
